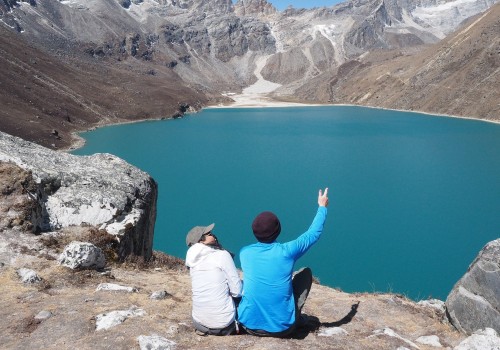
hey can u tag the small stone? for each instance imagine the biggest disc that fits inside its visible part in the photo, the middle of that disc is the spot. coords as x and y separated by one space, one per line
28 276
115 287
155 342
329 332
432 340
436 304
43 315
391 333
114 318
158 295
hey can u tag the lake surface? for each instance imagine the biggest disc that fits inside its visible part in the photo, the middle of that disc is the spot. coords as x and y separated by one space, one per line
413 197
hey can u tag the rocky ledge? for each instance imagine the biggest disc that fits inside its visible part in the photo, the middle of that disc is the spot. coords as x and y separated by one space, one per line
61 190
75 284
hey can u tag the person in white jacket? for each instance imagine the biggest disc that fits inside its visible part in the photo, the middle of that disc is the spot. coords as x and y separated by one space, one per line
214 281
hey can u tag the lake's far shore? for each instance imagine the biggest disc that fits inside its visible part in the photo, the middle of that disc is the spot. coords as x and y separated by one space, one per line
262 101
256 100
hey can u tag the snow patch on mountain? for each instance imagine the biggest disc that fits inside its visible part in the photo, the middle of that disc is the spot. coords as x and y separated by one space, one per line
445 17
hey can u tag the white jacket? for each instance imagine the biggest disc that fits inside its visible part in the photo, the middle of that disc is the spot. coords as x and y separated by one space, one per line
214 281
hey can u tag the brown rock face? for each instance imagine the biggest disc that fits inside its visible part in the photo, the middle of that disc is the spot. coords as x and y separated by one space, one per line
16 204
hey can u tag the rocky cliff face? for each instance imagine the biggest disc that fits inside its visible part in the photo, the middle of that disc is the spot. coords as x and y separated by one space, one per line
100 190
474 302
457 76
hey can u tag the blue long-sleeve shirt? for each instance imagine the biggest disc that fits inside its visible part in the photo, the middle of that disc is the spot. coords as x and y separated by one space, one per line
267 300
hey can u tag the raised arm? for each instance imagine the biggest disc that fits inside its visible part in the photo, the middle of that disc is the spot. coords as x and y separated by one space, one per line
299 246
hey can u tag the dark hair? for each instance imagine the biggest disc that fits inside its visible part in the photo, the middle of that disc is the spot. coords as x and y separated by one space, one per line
204 237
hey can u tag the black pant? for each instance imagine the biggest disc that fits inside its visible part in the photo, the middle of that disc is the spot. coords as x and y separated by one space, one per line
215 331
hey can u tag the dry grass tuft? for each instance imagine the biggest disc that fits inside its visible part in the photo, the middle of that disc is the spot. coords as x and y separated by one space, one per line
158 260
26 325
107 242
110 246
63 277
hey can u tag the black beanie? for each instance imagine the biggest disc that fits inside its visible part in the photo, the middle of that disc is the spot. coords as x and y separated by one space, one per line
266 227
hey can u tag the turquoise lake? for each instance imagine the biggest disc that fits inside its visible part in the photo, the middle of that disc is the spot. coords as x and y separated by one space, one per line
413 197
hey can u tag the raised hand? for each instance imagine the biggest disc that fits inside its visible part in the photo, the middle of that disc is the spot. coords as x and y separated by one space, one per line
323 198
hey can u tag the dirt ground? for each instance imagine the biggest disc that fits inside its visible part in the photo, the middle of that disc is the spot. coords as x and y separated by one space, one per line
71 298
60 311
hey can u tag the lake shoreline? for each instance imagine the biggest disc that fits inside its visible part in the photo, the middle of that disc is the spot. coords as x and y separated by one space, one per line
259 102
279 104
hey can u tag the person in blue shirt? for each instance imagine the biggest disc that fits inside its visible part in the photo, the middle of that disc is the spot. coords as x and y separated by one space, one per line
272 298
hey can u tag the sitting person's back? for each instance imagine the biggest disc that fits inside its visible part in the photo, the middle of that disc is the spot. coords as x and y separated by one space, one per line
268 303
214 281
272 299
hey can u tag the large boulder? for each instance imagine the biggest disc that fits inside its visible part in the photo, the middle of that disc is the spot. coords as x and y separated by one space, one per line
483 339
82 255
101 190
474 302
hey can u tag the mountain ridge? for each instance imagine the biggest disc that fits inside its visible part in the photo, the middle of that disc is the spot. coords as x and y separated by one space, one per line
144 59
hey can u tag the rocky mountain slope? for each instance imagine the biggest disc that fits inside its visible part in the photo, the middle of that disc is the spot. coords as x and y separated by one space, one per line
46 96
74 64
459 75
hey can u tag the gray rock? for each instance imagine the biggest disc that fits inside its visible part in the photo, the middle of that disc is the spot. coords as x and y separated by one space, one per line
331 331
158 295
115 287
486 339
28 276
114 318
82 255
474 302
43 315
432 340
435 304
100 190
391 333
155 342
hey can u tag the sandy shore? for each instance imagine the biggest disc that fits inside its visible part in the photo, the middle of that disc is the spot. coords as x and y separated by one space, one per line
257 96
261 100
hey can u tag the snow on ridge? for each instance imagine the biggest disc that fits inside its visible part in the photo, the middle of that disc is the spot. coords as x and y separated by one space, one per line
445 17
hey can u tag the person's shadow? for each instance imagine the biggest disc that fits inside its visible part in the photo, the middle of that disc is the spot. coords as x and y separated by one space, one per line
313 323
